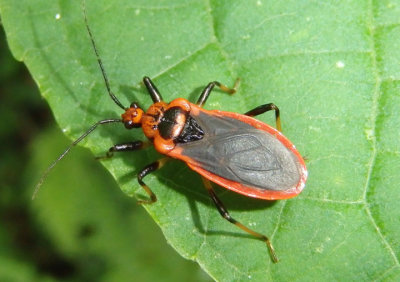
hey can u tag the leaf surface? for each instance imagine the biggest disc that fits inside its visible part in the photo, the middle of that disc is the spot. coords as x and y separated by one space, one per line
332 68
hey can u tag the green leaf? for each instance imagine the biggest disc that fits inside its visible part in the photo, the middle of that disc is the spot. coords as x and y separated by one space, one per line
333 69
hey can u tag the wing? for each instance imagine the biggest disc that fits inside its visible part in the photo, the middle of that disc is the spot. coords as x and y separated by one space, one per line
243 152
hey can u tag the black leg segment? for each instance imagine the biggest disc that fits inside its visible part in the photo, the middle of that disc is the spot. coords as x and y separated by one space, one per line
225 214
265 108
206 92
145 171
124 147
153 91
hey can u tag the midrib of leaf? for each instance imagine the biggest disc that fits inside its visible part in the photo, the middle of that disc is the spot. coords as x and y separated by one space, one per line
225 55
376 101
228 59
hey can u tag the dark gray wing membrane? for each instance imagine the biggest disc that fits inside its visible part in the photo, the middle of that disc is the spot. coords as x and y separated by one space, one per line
239 152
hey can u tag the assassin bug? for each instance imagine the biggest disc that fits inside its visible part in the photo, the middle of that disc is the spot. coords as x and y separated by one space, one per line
232 150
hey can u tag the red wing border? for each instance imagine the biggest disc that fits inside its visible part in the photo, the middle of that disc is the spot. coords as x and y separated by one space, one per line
229 129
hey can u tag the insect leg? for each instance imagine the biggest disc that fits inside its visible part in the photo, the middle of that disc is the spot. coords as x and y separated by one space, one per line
225 214
145 171
265 108
206 92
152 89
130 146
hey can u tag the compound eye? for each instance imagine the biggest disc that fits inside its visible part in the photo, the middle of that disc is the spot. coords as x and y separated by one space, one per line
134 105
129 124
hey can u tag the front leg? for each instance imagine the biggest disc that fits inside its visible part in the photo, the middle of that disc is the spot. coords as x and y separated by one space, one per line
152 89
124 147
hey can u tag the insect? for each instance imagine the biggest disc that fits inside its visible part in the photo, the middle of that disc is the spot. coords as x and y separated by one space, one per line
232 150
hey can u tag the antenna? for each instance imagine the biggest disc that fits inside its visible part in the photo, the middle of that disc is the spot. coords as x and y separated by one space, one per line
46 173
94 126
103 72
